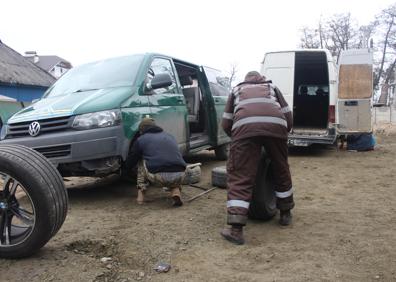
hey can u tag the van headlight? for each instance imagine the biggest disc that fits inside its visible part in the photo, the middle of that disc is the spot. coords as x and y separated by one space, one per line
97 120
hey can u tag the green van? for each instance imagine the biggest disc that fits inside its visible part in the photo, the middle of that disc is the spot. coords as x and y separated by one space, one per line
88 120
8 107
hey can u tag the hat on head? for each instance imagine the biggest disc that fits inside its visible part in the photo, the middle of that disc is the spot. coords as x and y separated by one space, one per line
253 76
146 122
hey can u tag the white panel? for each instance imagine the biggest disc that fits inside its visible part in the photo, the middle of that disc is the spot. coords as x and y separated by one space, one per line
279 67
354 116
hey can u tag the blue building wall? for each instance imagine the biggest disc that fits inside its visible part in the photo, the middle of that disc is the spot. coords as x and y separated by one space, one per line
22 93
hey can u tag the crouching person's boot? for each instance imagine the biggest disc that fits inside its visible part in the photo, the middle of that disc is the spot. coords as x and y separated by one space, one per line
140 196
234 233
176 197
285 217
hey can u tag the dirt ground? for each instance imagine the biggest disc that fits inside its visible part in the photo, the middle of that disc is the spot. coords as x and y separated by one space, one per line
344 228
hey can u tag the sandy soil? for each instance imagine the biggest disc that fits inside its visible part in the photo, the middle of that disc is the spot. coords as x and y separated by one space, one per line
344 228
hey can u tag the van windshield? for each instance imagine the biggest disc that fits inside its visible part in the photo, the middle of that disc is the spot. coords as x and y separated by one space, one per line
116 72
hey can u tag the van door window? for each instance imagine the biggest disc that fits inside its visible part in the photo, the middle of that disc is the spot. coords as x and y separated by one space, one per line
161 65
219 83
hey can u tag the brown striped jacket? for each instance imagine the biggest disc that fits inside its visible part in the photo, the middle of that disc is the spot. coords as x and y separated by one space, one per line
256 108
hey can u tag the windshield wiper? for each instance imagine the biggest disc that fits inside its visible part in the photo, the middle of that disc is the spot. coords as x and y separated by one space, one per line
84 90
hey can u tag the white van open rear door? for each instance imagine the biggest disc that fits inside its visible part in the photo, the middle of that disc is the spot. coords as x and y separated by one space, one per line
355 89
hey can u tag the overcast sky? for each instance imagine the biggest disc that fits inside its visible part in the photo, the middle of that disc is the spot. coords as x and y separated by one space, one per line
209 32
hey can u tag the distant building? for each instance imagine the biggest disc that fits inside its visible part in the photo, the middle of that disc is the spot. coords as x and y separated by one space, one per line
54 65
20 78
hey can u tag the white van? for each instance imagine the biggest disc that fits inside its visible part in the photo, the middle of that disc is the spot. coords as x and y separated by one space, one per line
327 100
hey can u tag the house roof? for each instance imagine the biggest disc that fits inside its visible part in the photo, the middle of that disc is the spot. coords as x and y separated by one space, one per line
7 99
14 68
48 62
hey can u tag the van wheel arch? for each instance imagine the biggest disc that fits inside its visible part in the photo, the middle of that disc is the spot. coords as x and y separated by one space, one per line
127 172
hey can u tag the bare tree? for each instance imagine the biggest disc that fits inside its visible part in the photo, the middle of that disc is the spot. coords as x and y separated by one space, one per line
336 33
342 32
233 72
310 38
365 34
387 24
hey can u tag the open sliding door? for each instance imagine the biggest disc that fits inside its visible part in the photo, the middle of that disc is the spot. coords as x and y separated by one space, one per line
355 90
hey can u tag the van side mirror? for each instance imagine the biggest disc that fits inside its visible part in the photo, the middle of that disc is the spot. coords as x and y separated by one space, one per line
160 80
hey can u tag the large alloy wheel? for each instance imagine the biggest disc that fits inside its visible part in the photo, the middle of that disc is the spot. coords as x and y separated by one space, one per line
17 212
33 201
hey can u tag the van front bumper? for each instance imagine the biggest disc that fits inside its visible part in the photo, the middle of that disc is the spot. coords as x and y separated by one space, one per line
77 145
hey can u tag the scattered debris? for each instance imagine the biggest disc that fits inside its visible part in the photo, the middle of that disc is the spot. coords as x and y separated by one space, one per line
106 259
141 274
162 267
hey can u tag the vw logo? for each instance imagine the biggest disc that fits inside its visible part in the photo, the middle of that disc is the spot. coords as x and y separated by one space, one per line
34 128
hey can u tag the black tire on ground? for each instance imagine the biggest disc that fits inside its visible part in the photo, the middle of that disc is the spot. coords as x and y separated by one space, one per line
221 152
263 204
219 177
193 175
33 201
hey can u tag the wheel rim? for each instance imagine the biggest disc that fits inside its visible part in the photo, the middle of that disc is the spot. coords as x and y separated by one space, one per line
17 212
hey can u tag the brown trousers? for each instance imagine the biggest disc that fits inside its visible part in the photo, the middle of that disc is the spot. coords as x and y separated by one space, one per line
242 165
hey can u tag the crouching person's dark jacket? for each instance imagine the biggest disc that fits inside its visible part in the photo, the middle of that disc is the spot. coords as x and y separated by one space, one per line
159 150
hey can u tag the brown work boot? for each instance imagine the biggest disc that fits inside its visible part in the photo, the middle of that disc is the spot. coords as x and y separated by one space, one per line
176 197
234 234
285 218
140 196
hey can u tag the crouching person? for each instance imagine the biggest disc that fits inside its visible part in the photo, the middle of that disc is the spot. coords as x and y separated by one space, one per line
159 161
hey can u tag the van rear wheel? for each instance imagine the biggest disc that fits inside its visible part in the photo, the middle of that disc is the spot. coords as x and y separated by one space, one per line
33 201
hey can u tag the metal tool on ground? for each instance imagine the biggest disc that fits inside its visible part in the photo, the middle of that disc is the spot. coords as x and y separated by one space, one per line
200 194
199 187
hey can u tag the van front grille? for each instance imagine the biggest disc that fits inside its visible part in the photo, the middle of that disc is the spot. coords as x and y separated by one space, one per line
55 151
21 129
